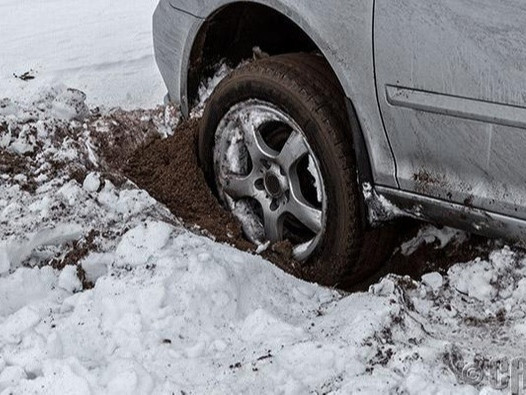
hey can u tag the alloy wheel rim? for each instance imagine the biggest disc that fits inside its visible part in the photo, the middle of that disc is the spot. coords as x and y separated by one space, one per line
260 157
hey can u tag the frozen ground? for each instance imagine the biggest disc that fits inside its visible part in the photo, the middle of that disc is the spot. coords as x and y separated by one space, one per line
103 291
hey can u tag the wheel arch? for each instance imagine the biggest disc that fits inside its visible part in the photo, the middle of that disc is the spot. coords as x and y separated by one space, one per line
222 35
305 38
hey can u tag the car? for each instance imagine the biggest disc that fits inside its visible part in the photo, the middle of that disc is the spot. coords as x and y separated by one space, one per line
341 115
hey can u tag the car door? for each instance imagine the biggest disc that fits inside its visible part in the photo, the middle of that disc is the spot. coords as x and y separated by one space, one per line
451 84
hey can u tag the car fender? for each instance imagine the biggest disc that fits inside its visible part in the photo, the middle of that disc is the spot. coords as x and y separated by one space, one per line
344 35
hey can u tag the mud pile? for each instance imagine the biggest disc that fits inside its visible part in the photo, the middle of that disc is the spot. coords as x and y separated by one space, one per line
168 169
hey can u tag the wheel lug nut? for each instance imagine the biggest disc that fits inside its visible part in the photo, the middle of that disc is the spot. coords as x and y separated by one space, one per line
259 184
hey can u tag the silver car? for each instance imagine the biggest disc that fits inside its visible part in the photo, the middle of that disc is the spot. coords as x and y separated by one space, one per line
343 114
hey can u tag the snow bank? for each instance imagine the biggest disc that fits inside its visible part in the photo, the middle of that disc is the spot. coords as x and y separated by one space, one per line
201 317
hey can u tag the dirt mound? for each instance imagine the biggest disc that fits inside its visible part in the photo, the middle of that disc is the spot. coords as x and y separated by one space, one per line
169 171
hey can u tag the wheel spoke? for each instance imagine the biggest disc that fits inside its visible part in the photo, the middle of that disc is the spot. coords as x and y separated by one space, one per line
294 149
273 226
237 186
308 215
304 212
256 146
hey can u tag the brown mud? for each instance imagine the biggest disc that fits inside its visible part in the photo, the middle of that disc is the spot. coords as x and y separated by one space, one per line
168 169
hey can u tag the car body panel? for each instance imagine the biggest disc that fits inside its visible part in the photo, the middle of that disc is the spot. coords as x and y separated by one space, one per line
173 34
451 79
195 7
343 33
455 215
446 78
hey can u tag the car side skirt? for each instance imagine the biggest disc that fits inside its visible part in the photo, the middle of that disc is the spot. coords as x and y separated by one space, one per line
470 219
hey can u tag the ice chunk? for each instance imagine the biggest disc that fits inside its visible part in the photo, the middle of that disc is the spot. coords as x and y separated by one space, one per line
92 182
96 265
433 280
430 234
69 280
384 288
14 253
25 143
475 279
69 104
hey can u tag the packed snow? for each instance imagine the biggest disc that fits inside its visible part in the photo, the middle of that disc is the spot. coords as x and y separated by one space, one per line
102 290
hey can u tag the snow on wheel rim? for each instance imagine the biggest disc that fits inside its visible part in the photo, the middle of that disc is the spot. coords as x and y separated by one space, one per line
269 177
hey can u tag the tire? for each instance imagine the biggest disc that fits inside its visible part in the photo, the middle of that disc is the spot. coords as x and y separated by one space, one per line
303 86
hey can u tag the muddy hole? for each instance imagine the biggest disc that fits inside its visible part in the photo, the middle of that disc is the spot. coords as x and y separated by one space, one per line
133 145
428 257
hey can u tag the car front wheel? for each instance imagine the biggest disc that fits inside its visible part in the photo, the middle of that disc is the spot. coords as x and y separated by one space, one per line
275 145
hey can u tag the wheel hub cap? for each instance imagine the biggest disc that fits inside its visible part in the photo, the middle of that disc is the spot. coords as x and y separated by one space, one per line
273 185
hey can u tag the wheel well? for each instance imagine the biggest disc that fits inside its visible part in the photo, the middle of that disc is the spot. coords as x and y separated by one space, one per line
233 31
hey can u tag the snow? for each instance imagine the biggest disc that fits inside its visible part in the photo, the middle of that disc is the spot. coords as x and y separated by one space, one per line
380 209
75 43
91 182
430 234
206 89
313 170
171 311
68 279
139 245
